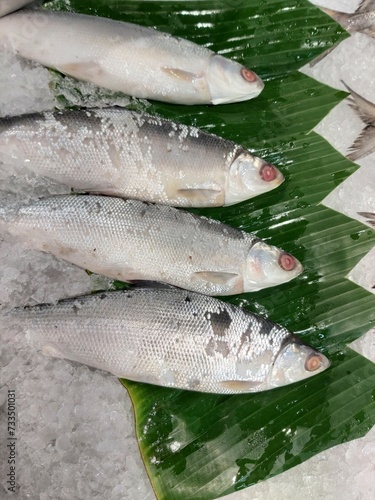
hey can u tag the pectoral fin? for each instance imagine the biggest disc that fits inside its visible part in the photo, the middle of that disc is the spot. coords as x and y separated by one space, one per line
52 351
81 70
217 278
180 74
198 195
240 385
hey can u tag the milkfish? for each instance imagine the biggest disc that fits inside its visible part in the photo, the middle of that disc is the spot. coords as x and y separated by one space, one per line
136 60
123 153
7 6
174 338
133 240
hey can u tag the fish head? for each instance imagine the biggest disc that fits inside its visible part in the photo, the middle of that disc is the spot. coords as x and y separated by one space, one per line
228 81
296 361
250 176
267 265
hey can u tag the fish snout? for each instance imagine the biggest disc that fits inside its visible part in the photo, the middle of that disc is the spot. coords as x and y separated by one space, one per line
229 81
296 361
268 266
250 176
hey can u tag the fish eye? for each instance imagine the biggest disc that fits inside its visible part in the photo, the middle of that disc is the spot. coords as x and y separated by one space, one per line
268 172
248 75
313 362
287 262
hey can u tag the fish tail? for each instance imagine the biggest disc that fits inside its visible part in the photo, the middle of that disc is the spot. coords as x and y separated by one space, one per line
365 142
365 6
340 17
364 108
369 216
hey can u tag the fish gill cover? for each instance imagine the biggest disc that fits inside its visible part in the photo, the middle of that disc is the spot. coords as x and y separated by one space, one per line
203 446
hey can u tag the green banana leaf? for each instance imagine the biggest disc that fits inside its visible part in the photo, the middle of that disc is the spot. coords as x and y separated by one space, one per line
201 446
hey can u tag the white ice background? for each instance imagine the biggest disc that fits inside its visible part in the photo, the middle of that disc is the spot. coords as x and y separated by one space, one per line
75 429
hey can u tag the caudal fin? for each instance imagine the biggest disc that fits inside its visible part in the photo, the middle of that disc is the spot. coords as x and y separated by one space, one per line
341 17
365 6
365 142
361 21
369 216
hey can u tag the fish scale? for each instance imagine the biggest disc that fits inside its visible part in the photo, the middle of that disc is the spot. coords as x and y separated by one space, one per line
123 153
132 240
171 337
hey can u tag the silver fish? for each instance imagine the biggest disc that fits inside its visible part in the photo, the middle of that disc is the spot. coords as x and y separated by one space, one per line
139 61
131 240
122 153
365 142
173 338
8 6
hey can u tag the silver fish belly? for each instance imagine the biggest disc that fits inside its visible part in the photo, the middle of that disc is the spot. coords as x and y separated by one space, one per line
131 240
125 57
8 6
127 154
173 338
